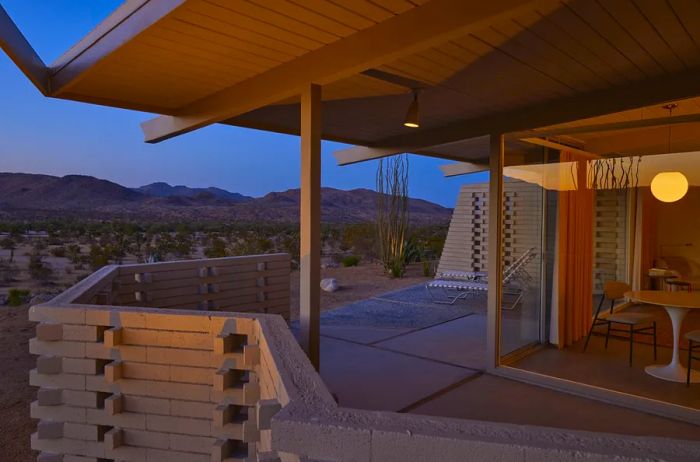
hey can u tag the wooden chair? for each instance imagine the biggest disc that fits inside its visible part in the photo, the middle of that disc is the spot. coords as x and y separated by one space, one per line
693 338
637 323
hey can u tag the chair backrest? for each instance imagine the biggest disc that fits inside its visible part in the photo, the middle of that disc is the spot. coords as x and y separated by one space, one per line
615 290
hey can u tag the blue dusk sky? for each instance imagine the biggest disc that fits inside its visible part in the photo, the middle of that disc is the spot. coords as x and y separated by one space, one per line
56 137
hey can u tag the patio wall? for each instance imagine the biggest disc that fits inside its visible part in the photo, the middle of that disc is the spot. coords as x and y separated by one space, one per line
151 384
252 283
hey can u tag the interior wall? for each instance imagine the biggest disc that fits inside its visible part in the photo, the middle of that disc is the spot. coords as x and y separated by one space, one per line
679 228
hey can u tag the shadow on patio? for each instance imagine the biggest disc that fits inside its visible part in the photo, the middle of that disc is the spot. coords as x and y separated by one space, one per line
401 352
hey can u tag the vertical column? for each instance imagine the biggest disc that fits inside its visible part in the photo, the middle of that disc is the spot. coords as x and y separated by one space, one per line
310 222
495 268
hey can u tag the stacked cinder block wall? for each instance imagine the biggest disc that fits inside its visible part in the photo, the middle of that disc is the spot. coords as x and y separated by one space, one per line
150 384
139 385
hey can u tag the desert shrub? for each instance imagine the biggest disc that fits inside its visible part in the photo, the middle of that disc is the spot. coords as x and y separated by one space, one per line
360 238
59 252
427 268
99 256
350 260
10 244
16 297
73 253
8 271
411 252
216 248
40 245
38 268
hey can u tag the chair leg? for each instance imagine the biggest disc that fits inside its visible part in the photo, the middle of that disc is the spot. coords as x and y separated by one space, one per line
595 322
690 358
607 335
654 332
631 342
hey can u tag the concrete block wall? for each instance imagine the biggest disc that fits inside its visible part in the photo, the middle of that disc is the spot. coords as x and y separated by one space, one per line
139 384
466 245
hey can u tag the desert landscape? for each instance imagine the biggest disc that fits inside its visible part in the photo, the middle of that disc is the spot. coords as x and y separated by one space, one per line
56 231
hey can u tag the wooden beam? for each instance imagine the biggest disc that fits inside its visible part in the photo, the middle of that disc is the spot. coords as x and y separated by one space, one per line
418 29
16 46
128 21
463 168
591 104
607 127
560 147
396 79
310 224
357 154
495 251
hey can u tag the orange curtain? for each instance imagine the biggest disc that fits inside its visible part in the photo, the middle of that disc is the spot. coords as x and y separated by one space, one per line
649 235
575 249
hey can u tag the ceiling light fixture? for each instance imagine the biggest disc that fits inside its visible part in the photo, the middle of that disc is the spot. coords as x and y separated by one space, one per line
411 119
669 186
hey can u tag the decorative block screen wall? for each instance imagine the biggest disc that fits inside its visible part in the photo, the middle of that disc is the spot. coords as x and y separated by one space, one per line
466 246
142 385
158 382
609 237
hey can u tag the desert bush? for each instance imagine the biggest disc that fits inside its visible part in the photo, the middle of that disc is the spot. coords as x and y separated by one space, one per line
350 260
428 270
411 252
392 213
99 256
38 268
10 244
8 271
73 253
360 238
59 252
40 245
216 248
17 297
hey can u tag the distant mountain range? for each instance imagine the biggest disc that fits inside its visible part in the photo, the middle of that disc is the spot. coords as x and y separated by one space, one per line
31 196
161 189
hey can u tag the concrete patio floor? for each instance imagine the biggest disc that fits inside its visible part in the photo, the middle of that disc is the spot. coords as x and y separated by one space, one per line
401 352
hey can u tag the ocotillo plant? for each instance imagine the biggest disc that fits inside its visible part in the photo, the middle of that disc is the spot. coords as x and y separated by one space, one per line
392 213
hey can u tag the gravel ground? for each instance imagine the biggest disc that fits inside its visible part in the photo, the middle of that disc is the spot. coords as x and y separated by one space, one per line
15 392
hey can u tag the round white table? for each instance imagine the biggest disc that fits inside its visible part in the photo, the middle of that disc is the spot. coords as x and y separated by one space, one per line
677 305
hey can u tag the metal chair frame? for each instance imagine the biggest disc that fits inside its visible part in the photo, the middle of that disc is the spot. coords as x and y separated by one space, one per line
631 331
456 285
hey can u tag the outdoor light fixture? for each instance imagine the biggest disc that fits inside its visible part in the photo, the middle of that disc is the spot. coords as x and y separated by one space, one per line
669 186
411 119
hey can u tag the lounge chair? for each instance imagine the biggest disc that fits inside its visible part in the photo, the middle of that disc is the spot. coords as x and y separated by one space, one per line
457 285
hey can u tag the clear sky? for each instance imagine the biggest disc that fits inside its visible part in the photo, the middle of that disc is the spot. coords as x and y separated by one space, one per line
56 137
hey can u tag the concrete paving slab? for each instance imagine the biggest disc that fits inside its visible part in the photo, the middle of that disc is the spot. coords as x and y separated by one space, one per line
369 378
497 399
461 342
362 334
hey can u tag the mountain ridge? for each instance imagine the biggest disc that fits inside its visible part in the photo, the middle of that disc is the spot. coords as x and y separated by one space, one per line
32 196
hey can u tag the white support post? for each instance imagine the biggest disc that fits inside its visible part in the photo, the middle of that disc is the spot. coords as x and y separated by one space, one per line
495 258
310 223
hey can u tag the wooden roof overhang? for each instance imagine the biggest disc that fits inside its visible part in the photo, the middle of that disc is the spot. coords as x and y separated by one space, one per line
481 67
